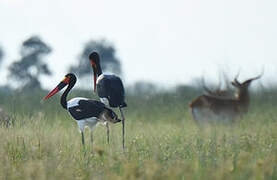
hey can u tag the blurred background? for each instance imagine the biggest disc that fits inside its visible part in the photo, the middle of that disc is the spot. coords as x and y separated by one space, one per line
165 43
155 47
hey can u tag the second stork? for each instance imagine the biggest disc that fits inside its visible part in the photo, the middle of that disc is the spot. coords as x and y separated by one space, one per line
109 88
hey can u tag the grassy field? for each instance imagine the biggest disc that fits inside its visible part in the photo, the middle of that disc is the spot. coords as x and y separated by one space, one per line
163 142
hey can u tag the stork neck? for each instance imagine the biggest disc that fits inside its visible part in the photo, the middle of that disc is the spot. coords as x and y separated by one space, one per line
99 69
64 95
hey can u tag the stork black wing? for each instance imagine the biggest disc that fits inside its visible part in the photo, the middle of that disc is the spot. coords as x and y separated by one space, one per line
111 87
87 109
103 87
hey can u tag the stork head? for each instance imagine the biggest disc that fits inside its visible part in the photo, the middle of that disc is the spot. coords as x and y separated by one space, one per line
109 115
69 79
113 116
94 58
95 64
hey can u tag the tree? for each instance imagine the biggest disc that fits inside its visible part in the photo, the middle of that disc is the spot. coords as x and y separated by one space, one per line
27 71
109 62
1 55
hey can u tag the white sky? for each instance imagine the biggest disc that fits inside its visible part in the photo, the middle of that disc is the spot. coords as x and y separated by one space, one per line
166 42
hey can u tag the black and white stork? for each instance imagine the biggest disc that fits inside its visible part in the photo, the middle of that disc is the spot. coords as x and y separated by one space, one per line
86 112
109 88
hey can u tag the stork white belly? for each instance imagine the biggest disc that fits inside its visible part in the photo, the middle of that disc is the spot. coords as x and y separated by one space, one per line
89 122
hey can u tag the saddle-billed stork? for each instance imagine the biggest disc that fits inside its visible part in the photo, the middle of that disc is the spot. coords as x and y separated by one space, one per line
109 88
86 112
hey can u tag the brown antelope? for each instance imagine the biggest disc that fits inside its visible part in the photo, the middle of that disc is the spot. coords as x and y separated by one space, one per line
205 107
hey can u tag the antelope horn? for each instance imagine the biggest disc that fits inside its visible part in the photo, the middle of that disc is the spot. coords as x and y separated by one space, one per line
259 76
236 77
205 87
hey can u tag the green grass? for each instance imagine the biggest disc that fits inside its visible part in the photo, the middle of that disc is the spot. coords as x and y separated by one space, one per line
163 142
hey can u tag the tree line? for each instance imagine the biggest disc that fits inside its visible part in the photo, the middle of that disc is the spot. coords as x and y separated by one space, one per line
26 71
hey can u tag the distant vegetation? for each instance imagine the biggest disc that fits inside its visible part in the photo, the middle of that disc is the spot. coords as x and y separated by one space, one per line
1 55
25 73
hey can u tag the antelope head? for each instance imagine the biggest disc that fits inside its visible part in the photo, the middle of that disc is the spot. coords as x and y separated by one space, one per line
243 87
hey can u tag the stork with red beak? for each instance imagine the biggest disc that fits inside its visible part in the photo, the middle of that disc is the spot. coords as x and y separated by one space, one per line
109 88
86 112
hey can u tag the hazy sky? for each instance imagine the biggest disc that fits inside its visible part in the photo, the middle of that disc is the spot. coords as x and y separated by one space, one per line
168 42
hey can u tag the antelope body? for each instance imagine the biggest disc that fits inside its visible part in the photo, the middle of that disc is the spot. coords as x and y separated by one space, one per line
207 108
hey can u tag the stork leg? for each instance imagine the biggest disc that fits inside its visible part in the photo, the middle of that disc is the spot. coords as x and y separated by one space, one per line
123 128
91 138
108 132
83 139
